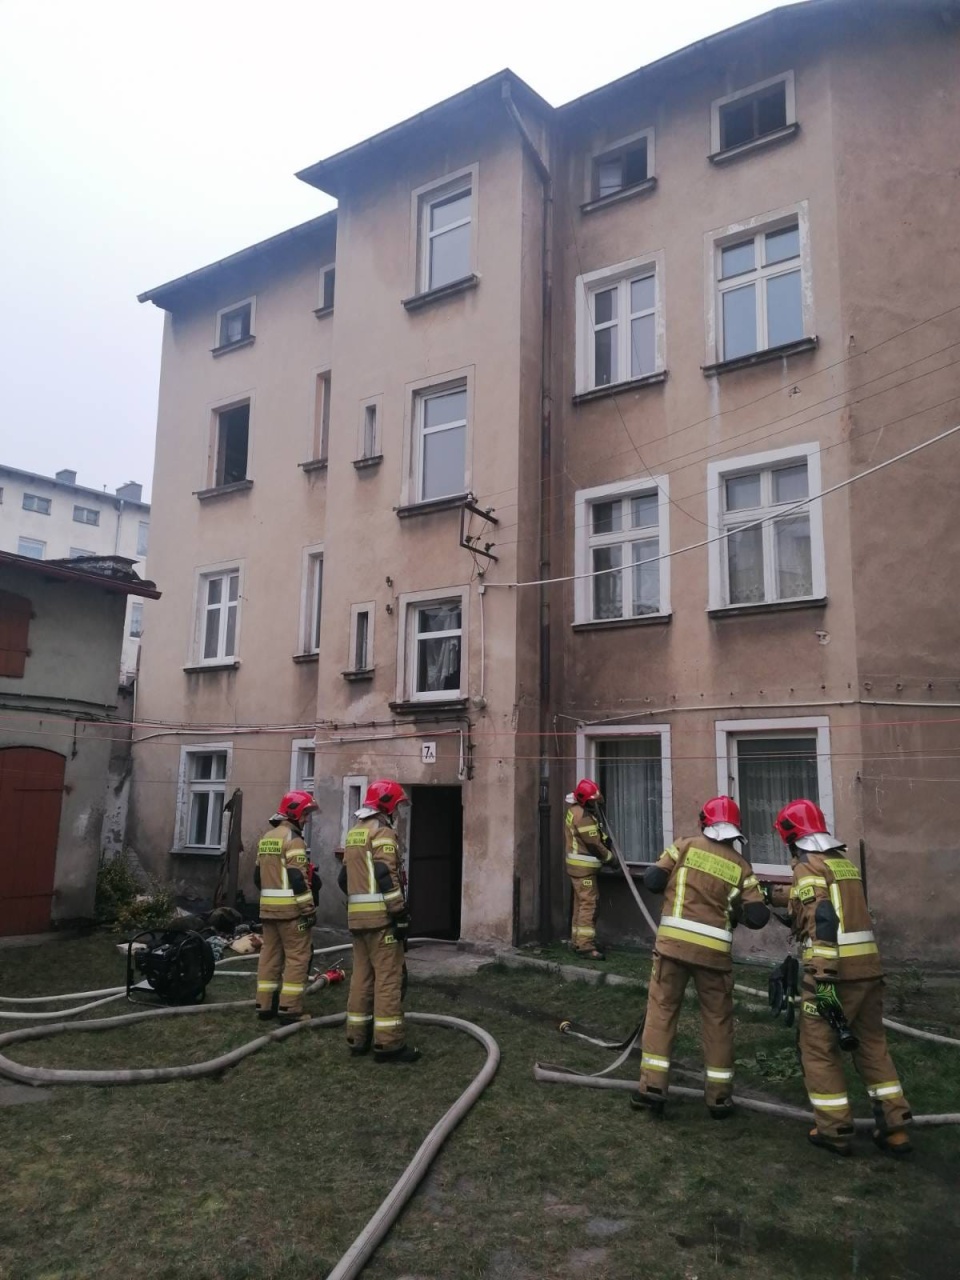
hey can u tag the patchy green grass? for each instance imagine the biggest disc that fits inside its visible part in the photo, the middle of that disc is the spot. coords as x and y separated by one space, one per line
272 1170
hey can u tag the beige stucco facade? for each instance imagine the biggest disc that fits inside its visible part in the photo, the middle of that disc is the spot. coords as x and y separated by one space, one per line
847 669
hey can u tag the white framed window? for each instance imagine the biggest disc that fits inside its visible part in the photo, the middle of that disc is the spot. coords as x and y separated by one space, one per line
622 165
77 552
361 636
620 532
620 323
433 661
354 789
31 547
235 323
321 415
218 615
136 620
33 502
86 515
445 213
764 764
760 284
328 287
143 537
440 445
311 598
368 443
631 765
772 545
751 114
204 769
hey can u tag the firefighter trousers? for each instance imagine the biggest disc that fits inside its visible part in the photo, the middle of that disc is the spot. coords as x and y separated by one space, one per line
823 1074
668 981
586 895
284 964
375 1002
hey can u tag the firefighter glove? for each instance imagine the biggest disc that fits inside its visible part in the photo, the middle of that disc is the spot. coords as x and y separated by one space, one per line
307 922
827 997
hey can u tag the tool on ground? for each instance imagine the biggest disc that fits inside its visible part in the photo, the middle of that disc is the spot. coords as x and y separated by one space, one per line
176 967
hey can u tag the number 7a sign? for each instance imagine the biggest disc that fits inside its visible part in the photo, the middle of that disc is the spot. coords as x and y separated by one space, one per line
428 752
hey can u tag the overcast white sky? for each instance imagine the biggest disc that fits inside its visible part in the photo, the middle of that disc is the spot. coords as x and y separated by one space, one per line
140 139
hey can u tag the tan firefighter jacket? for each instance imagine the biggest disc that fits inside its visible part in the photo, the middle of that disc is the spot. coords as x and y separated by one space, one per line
371 870
281 874
829 917
708 886
583 843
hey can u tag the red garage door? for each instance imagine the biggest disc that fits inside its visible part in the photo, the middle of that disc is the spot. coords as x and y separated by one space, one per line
31 788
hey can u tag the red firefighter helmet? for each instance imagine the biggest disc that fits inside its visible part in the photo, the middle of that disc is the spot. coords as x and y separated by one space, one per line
295 806
720 819
384 795
801 822
587 792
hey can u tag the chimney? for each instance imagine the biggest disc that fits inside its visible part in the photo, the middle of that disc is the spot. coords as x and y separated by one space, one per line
130 492
67 477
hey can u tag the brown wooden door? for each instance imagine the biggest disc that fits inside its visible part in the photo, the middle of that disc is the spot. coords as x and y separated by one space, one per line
31 790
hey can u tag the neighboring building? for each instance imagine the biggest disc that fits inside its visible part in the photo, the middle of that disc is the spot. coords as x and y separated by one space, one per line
61 734
54 518
740 316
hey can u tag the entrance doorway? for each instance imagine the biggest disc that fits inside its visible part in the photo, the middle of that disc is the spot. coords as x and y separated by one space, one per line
435 861
31 790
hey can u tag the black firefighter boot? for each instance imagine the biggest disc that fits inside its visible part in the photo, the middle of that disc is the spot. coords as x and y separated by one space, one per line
267 1015
405 1054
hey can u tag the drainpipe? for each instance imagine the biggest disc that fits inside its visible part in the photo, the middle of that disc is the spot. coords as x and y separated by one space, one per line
545 883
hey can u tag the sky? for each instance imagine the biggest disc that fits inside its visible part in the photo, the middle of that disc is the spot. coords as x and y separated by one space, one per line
140 139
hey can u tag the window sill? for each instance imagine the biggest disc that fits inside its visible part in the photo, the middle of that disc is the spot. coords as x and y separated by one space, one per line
429 710
621 388
322 312
760 357
306 657
315 464
768 606
223 490
452 503
755 144
233 346
617 197
368 464
202 668
615 624
450 290
356 677
196 853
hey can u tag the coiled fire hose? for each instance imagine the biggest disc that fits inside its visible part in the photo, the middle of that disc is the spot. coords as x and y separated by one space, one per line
363 1247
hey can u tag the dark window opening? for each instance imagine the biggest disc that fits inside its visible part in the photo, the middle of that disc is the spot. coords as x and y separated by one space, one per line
329 288
754 117
620 170
360 655
233 435
235 325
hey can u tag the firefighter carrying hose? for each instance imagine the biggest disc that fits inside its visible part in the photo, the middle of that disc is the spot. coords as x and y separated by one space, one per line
287 910
841 967
708 889
377 917
587 850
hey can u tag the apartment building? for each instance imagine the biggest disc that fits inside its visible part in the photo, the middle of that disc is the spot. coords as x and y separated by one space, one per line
54 518
544 455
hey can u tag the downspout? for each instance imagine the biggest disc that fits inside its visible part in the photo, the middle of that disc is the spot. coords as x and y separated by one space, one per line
544 852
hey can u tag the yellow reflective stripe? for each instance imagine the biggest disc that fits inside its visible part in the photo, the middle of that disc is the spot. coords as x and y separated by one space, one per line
304 898
582 860
583 931
750 882
859 949
681 891
276 893
354 898
293 988
829 1101
392 897
712 864
361 907
359 1017
817 881
888 1089
672 852
719 1073
695 926
682 935
591 829
384 1024
652 1063
823 952
268 986
371 874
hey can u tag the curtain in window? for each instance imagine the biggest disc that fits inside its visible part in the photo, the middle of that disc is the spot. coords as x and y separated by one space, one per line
630 775
438 660
771 772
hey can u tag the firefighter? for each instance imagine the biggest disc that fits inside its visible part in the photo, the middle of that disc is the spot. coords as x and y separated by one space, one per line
708 889
287 910
377 917
586 852
841 965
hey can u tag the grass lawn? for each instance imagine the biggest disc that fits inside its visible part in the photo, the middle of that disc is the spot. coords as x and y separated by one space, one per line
273 1169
